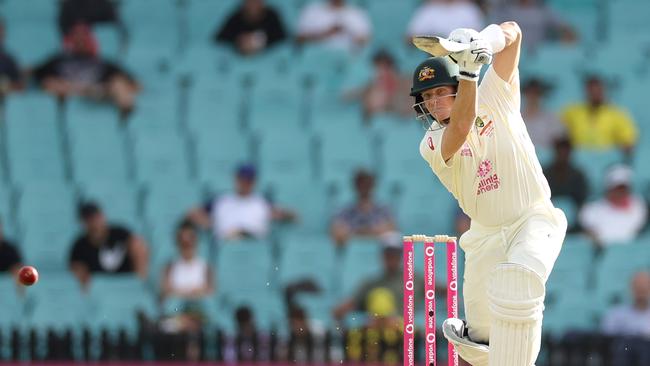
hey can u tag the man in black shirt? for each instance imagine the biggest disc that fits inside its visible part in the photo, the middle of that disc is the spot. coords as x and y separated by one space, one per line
10 260
105 248
251 28
564 178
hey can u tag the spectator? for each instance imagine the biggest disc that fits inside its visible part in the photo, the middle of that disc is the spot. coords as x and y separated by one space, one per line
597 124
10 259
10 77
440 17
381 296
334 24
630 325
104 248
537 21
365 217
542 125
250 343
386 92
242 214
78 70
564 178
620 215
189 277
187 281
252 28
72 12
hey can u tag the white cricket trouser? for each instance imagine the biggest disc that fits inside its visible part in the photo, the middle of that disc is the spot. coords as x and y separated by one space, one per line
534 240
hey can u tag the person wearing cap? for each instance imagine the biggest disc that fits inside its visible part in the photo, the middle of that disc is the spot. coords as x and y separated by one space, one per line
365 217
241 214
478 146
598 124
105 248
544 127
620 215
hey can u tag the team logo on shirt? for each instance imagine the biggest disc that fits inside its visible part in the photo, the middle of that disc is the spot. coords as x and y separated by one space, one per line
430 143
426 73
489 182
478 122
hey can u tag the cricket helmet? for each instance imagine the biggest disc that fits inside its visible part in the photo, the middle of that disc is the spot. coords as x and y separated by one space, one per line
432 73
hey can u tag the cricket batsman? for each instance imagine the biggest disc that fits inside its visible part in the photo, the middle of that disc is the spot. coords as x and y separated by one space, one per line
478 146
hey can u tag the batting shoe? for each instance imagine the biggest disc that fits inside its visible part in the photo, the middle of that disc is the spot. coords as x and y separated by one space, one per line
455 330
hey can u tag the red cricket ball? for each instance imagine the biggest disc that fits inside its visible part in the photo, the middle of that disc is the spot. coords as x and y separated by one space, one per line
28 275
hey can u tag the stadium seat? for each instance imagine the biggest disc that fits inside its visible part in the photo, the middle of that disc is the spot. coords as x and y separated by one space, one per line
21 36
40 202
160 157
400 150
568 206
155 111
313 206
110 41
361 261
614 269
285 156
573 268
166 204
307 257
6 210
575 311
340 155
425 206
119 200
595 165
48 246
119 312
217 156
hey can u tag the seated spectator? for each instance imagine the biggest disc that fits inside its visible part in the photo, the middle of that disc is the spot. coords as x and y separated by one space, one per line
72 12
618 217
386 92
242 214
10 260
335 24
78 70
564 178
252 28
365 217
440 17
104 248
537 21
543 126
187 281
630 325
597 124
10 76
249 344
189 277
382 296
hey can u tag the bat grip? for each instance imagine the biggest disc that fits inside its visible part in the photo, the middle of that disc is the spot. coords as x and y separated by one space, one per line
494 35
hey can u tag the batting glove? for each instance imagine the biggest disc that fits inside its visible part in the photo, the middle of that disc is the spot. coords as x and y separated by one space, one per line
471 60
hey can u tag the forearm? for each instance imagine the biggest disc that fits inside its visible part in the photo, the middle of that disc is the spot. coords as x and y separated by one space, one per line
463 114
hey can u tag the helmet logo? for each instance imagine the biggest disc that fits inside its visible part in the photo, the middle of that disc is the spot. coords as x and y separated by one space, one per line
426 73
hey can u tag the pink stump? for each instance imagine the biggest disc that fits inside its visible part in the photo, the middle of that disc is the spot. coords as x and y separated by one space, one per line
430 303
452 293
409 304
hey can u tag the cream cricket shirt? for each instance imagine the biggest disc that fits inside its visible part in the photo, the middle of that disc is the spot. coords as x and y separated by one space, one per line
495 176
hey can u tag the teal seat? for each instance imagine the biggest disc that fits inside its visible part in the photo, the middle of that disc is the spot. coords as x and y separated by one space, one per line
31 107
98 154
218 154
48 246
308 257
568 206
574 311
109 38
313 206
400 150
155 111
167 204
20 36
267 307
615 268
573 267
361 262
119 312
342 154
426 208
595 164
216 109
12 304
40 202
282 111
285 156
118 199
6 210
160 157
235 278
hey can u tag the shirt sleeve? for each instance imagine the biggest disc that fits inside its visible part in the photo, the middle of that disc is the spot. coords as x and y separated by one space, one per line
275 32
77 253
122 233
499 94
626 132
430 149
228 31
47 69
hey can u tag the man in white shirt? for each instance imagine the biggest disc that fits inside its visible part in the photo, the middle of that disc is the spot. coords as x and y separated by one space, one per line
439 17
242 214
478 146
334 24
618 217
630 325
